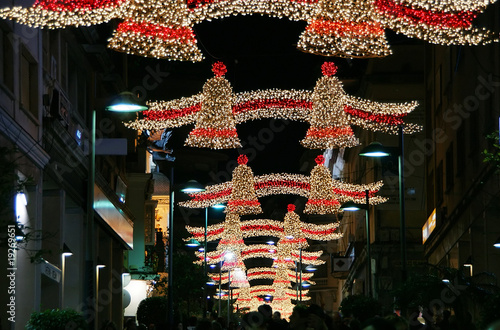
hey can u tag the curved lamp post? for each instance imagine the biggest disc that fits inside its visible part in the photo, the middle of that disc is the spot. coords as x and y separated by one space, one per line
376 149
125 102
65 253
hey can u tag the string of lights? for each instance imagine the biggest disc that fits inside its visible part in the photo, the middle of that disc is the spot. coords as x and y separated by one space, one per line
344 29
159 29
441 23
55 14
351 28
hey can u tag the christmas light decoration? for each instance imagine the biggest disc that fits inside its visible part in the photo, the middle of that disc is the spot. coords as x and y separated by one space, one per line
292 229
287 254
344 29
440 22
243 199
270 273
321 198
324 194
61 13
266 227
156 28
328 109
350 28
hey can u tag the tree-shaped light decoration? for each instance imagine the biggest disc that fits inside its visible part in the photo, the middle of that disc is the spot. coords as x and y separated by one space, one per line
231 244
215 125
344 29
156 28
350 28
321 198
243 199
61 13
328 109
329 101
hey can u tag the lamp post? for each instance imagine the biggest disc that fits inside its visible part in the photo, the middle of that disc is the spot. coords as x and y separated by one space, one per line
351 206
217 206
220 288
65 253
377 150
125 102
229 296
300 279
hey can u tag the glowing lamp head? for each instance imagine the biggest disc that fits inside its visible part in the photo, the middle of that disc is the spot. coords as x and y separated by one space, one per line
350 206
126 102
497 243
193 186
218 206
375 149
192 243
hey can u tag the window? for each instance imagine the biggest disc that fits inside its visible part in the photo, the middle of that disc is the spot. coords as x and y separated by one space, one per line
28 83
430 192
439 184
6 60
450 168
461 159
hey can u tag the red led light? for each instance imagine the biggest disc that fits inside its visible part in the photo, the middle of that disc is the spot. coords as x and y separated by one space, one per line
460 19
71 5
184 34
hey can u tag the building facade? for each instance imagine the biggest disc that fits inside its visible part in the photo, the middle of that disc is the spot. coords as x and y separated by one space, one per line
73 217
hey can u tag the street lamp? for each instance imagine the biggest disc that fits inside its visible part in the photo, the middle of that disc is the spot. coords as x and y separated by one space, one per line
220 285
193 243
376 149
497 243
126 102
468 264
66 252
351 206
190 187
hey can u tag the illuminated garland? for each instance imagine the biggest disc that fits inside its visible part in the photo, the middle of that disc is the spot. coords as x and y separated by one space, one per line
285 255
54 14
350 28
292 228
268 273
266 227
324 194
328 109
439 23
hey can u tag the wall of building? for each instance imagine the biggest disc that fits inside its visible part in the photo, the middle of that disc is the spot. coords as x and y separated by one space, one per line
463 189
49 85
